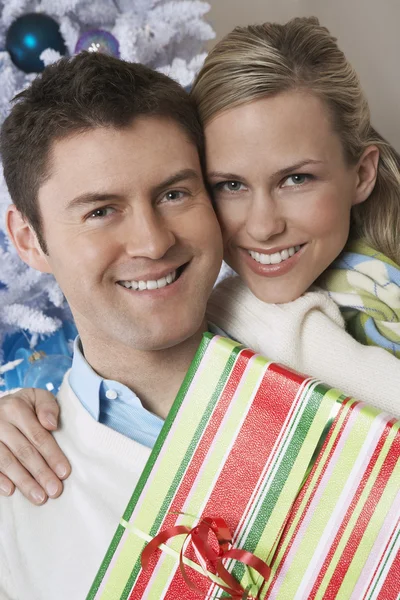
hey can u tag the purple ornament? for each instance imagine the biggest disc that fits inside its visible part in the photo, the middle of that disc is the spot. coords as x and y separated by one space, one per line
98 40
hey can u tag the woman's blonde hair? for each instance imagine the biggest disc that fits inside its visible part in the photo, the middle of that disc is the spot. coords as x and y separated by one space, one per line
261 60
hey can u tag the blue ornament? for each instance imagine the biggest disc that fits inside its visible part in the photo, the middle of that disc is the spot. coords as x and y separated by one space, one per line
98 40
47 372
28 36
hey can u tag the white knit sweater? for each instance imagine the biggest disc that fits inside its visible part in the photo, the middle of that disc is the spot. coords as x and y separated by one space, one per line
53 552
308 335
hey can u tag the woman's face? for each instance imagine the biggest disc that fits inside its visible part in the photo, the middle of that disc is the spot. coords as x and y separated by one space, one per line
283 192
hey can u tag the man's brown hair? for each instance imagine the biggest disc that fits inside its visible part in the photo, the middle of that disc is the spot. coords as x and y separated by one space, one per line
77 94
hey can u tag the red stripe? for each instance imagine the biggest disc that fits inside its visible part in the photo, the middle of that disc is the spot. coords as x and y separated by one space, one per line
391 587
365 516
239 475
285 393
359 528
382 560
298 502
195 464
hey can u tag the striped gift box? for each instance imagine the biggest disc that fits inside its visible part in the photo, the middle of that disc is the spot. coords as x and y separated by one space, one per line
306 479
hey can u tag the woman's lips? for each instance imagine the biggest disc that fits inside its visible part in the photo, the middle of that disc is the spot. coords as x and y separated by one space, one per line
275 268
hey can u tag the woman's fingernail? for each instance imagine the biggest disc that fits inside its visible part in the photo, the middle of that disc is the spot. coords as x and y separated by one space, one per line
5 489
51 420
38 497
52 488
61 470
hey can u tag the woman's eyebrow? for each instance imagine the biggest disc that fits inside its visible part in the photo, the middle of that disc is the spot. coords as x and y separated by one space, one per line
294 167
223 175
280 173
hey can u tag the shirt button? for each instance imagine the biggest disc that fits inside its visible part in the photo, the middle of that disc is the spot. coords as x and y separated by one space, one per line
111 394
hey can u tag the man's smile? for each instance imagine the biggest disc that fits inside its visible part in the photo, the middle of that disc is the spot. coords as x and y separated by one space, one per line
153 282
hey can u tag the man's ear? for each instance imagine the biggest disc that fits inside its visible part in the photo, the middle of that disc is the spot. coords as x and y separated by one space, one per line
25 240
367 172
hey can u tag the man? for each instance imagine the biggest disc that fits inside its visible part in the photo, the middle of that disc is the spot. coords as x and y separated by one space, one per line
102 161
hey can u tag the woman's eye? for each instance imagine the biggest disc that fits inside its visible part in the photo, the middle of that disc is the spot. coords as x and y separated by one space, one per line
100 213
296 179
230 186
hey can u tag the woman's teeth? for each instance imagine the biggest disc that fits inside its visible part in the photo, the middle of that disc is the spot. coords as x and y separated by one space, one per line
276 258
150 285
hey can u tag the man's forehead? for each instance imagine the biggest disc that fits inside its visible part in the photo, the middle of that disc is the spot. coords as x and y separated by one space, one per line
108 160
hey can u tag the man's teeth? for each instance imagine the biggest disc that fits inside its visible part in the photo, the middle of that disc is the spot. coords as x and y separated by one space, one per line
276 258
153 284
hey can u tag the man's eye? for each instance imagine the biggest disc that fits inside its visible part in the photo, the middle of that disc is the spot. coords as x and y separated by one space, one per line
230 186
101 212
173 196
296 179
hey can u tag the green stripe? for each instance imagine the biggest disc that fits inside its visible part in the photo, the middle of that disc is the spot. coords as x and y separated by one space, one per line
311 536
365 419
317 434
290 534
214 462
325 401
299 433
106 561
185 462
241 542
150 463
174 449
383 567
377 519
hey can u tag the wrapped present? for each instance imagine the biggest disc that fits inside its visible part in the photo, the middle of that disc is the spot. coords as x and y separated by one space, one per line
263 484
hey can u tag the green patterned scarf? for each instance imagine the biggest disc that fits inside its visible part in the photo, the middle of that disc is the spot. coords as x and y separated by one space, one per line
366 286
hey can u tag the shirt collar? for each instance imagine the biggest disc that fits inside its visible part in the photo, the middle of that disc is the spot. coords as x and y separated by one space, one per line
90 387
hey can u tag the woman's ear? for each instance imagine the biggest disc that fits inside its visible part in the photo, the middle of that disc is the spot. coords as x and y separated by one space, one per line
25 240
367 172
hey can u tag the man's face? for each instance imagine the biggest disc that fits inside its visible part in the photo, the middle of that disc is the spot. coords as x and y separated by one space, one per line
132 237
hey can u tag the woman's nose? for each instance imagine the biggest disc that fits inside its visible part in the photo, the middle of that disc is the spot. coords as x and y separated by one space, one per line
264 219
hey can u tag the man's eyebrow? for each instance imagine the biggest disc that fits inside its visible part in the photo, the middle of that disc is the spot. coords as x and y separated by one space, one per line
89 198
176 178
280 173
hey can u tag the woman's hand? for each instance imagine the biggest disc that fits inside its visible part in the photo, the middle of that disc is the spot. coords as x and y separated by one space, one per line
30 458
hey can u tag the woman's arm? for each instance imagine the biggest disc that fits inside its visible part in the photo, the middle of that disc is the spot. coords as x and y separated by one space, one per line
30 458
306 335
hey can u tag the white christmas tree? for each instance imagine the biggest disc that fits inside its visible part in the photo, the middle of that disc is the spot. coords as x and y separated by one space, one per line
166 35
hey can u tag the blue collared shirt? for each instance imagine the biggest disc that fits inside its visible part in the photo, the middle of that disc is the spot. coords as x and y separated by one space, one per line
114 404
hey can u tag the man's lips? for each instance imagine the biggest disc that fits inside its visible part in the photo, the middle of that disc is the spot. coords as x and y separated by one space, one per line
152 274
154 280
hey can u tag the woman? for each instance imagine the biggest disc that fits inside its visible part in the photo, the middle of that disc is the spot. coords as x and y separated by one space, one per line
297 171
271 98
294 166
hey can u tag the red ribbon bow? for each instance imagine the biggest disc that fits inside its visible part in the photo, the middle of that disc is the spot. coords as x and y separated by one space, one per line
198 536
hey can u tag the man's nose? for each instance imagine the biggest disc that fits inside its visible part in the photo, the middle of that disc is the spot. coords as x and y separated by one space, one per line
148 235
264 218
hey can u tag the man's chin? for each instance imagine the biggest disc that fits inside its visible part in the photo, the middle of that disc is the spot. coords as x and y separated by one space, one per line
172 335
161 343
